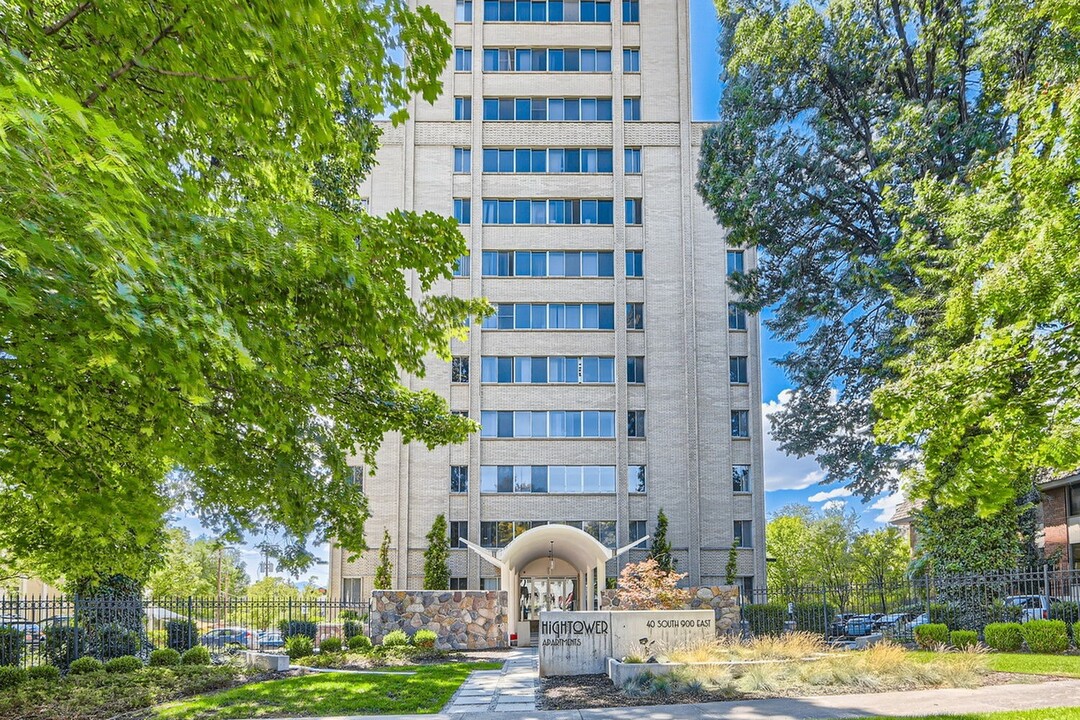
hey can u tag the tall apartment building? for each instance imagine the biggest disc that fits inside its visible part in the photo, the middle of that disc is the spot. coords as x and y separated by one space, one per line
615 377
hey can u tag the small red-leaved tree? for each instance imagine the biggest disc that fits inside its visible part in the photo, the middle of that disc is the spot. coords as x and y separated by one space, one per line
645 586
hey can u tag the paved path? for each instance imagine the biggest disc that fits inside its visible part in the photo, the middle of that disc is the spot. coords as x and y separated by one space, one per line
511 689
1063 693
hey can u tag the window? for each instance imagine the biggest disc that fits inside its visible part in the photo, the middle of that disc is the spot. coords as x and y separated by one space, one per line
734 261
743 533
602 530
740 478
459 583
459 530
555 316
462 108
631 11
632 158
633 211
548 479
545 423
637 531
547 212
740 423
463 59
544 370
596 161
461 267
356 476
489 584
634 264
635 316
746 587
459 478
631 109
631 60
551 109
523 263
547 11
635 475
463 210
500 533
464 11
635 424
738 371
736 317
635 370
462 160
351 590
1074 499
459 369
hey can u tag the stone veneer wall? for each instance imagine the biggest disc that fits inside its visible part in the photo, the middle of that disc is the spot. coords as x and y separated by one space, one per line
724 600
463 619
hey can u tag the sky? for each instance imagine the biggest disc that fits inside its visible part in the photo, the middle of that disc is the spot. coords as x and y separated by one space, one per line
787 479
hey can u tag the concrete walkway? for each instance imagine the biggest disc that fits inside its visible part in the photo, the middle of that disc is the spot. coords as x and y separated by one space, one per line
511 689
1062 693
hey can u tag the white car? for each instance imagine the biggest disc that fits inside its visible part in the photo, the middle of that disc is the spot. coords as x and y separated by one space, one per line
1034 607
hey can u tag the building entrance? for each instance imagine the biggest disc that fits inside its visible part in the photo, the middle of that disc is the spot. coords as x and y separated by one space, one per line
537 594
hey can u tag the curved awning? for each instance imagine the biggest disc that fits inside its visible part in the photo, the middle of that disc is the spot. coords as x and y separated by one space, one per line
577 547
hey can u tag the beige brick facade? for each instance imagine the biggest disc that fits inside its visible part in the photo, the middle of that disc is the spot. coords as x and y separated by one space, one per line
687 396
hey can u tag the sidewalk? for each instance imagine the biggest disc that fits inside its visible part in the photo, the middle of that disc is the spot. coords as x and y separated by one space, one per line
1062 693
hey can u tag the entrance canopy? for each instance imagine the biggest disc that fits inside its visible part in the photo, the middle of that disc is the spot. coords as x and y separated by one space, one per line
576 547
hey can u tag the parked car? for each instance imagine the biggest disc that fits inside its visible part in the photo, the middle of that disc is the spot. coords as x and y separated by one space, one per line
861 625
222 637
891 622
839 624
923 619
270 640
31 630
1033 607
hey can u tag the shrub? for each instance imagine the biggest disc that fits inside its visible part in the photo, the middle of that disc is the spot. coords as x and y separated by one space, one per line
931 635
1045 636
123 664
12 641
813 617
330 645
10 676
946 614
395 638
181 635
86 665
298 646
1076 632
425 639
115 641
1067 611
765 618
47 673
62 644
164 657
1004 637
197 655
963 639
307 628
349 615
352 628
360 643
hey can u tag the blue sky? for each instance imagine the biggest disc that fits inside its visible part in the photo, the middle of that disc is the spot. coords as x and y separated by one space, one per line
787 480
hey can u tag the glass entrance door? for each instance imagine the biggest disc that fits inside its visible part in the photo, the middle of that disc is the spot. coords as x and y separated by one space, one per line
539 594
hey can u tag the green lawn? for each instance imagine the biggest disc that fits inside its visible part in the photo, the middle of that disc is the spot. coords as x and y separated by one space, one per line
1066 665
331 694
1049 714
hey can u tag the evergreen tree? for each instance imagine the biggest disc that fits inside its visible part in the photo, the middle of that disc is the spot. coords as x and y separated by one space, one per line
384 573
437 556
660 548
731 573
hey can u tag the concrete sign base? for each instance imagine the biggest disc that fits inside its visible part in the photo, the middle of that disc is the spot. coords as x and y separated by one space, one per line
579 643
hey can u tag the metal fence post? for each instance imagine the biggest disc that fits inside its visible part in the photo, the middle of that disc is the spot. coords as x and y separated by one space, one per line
825 613
929 618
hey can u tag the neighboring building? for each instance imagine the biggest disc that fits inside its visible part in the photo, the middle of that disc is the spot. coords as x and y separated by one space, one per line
903 517
615 377
1061 520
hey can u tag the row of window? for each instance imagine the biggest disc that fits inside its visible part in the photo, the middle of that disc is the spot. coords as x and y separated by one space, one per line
562 316
570 479
586 11
500 533
542 370
549 423
558 263
590 161
594 109
548 212
585 60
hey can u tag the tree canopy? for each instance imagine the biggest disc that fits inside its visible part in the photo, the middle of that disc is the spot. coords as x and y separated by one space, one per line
190 569
192 306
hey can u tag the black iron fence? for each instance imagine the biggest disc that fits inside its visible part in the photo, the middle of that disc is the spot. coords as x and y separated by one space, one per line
848 611
58 630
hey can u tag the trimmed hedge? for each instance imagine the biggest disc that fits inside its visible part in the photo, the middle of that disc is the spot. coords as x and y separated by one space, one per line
765 618
931 635
46 673
330 645
963 639
299 646
197 655
1045 636
86 665
123 664
164 657
360 643
10 676
395 638
307 628
425 639
1004 637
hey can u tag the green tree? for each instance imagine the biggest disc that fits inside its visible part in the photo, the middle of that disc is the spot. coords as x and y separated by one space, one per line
832 114
437 556
882 557
384 572
988 392
192 306
787 534
659 547
731 572
273 596
190 568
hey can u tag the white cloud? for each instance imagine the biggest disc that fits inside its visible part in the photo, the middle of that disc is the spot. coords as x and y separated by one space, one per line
887 505
834 505
783 471
840 492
